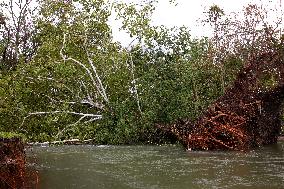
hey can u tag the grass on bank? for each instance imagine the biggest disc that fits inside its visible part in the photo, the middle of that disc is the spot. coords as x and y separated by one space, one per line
9 135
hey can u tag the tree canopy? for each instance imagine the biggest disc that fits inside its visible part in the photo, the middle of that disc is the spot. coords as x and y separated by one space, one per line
63 76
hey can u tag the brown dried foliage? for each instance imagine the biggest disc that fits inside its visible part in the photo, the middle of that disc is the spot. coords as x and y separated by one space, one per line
246 116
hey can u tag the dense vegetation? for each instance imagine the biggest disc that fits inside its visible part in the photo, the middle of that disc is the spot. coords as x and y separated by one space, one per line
63 76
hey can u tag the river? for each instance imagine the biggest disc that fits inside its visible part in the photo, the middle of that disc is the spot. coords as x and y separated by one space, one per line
155 167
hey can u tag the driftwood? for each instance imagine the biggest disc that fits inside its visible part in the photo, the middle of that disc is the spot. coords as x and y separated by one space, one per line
246 116
63 142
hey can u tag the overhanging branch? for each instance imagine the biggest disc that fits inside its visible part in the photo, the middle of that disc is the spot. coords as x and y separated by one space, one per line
92 117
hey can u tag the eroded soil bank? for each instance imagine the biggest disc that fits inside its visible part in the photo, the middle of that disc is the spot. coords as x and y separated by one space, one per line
12 163
13 171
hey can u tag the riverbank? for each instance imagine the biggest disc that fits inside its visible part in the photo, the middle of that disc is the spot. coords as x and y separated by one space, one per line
85 142
12 163
13 171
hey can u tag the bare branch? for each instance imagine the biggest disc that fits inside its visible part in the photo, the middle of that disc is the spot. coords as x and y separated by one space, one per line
99 86
51 79
90 61
103 91
68 126
83 115
134 84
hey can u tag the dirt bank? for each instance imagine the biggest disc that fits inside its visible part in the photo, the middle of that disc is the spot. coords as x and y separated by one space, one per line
12 163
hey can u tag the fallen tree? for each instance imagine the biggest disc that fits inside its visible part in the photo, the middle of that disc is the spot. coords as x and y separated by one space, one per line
246 116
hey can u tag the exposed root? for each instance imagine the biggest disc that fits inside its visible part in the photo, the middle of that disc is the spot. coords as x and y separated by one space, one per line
247 115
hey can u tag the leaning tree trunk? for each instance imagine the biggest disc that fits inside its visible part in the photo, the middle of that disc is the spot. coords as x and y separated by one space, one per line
247 115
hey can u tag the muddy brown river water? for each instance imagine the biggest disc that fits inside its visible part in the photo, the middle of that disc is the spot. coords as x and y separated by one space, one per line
156 167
